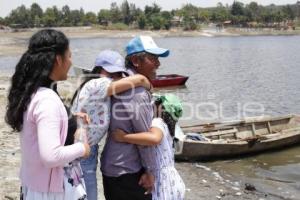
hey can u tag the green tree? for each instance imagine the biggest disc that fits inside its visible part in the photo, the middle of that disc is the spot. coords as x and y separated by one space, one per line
49 19
134 12
66 15
288 12
36 13
115 13
104 15
190 11
190 15
82 15
2 21
237 8
75 17
141 21
167 17
204 16
37 21
238 12
189 23
36 10
90 18
58 16
21 16
220 14
157 22
151 10
254 11
278 16
266 16
152 15
125 12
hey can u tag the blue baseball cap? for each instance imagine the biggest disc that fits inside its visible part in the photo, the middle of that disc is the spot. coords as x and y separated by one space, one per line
145 44
110 61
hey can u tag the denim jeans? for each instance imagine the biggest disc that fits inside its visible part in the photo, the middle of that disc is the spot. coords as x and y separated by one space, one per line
89 168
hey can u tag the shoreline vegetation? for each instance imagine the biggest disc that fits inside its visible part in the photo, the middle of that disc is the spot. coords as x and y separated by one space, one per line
125 20
152 17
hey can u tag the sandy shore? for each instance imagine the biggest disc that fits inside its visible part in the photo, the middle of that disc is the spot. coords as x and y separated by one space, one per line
201 181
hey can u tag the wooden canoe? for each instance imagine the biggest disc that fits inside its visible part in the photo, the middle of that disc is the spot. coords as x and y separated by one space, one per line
169 80
223 140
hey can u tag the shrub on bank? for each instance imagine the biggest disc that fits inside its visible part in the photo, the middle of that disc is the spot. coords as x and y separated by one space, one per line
118 26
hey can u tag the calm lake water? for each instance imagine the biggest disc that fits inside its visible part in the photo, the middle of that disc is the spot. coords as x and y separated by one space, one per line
229 78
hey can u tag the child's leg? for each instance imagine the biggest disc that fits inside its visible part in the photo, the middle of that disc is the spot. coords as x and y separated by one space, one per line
89 167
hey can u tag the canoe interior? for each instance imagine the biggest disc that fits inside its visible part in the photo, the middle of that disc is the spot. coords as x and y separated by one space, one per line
242 137
247 128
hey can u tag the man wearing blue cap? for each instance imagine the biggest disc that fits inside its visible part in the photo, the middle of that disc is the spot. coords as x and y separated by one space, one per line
125 166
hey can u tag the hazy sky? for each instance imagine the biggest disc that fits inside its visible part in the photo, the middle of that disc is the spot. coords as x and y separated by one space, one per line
95 5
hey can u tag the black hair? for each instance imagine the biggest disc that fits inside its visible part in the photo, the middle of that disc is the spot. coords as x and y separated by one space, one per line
167 118
139 55
95 73
32 71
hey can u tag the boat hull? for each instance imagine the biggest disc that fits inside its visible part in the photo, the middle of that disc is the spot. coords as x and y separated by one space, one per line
208 150
169 80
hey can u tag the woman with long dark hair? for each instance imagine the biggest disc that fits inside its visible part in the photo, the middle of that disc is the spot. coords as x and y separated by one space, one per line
37 112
